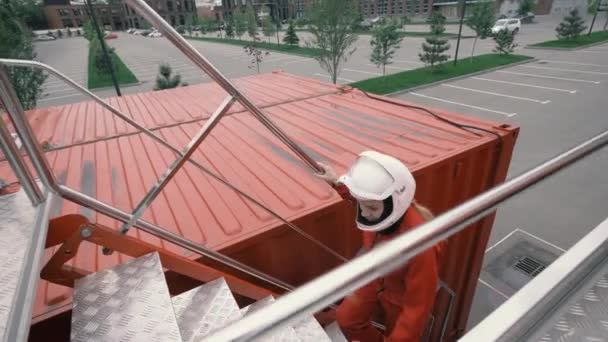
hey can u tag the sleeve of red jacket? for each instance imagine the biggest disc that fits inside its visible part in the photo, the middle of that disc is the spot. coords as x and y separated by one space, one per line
421 282
342 190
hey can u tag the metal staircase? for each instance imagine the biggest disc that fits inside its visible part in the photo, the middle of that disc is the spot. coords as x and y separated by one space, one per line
131 302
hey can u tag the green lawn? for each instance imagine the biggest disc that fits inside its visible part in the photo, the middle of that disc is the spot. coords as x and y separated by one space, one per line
421 34
581 41
284 48
413 78
100 80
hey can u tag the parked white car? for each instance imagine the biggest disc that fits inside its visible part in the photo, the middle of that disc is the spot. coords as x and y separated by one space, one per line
511 25
155 34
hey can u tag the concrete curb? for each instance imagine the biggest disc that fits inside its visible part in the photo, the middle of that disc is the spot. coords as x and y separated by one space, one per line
531 47
262 48
400 92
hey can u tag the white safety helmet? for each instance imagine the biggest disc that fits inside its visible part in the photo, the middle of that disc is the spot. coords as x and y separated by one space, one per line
376 176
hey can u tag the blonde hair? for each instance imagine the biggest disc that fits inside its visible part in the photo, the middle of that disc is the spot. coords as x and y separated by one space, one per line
425 212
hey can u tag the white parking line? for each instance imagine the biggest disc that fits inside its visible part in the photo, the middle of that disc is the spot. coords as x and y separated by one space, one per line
339 78
58 97
493 288
407 62
497 94
575 63
567 70
541 240
282 58
303 60
363 72
389 67
550 77
524 85
501 240
466 105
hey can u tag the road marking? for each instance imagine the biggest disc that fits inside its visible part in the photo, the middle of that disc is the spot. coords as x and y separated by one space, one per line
541 240
501 240
497 94
407 62
282 58
591 51
363 72
339 78
59 97
524 85
390 67
574 63
551 77
466 105
493 288
303 60
568 70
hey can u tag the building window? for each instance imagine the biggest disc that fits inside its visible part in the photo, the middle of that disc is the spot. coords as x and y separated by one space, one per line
78 22
179 6
172 20
67 23
170 6
187 5
182 20
63 12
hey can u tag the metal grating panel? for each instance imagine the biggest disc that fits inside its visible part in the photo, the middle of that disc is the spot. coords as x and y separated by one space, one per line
204 309
586 317
129 302
284 335
529 266
310 330
334 333
17 218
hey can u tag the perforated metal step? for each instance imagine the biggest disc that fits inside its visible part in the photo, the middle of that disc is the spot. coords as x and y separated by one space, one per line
334 333
205 309
310 330
129 302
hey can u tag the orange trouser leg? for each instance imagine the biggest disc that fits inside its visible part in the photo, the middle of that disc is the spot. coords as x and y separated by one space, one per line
355 319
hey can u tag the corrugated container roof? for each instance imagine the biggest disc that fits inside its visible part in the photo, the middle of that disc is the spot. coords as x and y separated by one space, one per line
332 124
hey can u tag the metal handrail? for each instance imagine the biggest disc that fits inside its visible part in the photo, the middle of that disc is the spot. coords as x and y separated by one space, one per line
48 175
518 317
24 130
341 281
143 9
11 152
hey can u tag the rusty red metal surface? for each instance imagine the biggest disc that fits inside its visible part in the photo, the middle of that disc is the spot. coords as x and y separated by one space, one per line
97 155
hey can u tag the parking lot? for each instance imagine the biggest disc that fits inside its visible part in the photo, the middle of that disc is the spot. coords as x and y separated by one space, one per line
558 101
143 56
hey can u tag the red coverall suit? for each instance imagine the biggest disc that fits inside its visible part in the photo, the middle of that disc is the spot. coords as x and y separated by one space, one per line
406 296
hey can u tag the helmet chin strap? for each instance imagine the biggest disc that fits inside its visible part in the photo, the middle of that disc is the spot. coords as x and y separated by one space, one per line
393 228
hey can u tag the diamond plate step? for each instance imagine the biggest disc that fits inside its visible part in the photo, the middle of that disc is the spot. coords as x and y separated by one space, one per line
310 330
334 333
129 302
284 335
204 309
17 220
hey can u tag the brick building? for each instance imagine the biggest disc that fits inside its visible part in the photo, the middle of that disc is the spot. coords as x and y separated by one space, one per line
65 13
175 12
278 8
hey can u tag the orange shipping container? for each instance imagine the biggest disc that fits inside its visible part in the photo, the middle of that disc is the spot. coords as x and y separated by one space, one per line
103 157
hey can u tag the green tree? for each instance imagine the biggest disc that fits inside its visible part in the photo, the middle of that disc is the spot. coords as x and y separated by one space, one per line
291 38
437 22
481 21
89 30
16 43
101 62
59 34
164 79
385 42
252 23
239 20
268 27
571 27
29 13
332 24
229 29
69 32
526 6
257 56
433 47
504 42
